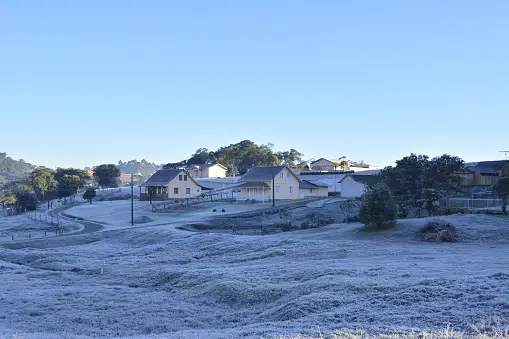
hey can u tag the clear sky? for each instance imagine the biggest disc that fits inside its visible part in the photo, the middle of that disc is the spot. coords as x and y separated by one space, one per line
88 82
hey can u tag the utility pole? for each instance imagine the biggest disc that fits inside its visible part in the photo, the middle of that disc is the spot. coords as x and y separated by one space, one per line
132 199
273 190
505 152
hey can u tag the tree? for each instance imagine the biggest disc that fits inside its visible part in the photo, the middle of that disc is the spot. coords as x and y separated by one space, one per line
501 188
378 206
26 202
290 158
107 175
42 181
68 185
82 175
411 180
89 194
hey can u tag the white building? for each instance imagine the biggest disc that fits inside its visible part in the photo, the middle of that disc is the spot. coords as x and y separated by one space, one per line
354 185
207 171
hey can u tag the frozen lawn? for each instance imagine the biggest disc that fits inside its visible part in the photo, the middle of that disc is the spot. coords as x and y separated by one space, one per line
158 282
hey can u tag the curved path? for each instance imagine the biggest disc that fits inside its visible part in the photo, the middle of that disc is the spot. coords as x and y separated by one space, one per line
88 226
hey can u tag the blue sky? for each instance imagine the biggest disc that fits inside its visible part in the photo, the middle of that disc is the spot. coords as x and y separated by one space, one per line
88 82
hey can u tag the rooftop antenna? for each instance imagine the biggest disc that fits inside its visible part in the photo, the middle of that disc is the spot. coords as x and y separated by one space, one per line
505 152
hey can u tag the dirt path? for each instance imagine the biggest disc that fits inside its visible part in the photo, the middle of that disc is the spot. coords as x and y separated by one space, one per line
88 226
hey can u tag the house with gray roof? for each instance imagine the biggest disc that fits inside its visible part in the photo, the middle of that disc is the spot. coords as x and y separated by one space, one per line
258 183
354 185
483 173
169 184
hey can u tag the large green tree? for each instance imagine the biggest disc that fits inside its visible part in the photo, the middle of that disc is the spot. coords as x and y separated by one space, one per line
68 185
417 179
43 182
501 188
107 175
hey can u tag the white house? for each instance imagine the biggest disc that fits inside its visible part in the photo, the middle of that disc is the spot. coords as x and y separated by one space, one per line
207 171
354 185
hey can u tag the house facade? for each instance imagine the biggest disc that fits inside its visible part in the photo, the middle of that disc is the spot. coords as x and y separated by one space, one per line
327 164
484 173
311 189
354 185
169 184
207 171
257 184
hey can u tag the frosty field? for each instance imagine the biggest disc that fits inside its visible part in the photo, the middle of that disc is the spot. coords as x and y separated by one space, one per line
160 282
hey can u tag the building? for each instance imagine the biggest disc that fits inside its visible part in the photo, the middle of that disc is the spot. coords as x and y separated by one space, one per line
308 189
483 173
354 185
257 184
207 171
328 164
169 184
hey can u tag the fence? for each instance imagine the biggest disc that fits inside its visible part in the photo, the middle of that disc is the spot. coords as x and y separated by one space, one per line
473 204
168 205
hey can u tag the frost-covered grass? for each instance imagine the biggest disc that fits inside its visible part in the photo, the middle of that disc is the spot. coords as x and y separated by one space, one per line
331 282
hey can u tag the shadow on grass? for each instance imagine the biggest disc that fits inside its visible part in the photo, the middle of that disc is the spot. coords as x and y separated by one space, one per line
377 229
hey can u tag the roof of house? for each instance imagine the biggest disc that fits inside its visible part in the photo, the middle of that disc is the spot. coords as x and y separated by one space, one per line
362 179
253 185
164 176
262 173
311 184
486 167
334 161
202 166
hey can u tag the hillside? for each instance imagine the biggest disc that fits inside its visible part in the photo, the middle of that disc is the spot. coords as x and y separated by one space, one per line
11 169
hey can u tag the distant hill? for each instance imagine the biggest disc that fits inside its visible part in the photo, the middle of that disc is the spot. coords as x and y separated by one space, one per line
11 169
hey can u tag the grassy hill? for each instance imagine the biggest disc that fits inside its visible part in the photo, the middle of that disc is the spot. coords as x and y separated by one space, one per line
11 169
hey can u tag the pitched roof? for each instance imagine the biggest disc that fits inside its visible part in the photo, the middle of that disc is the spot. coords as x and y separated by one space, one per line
202 166
361 179
263 173
162 177
496 165
334 161
311 184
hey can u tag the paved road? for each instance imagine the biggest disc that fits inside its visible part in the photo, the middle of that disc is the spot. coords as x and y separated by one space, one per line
88 226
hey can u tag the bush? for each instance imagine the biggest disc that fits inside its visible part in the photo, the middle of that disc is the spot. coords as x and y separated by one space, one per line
439 230
89 194
378 206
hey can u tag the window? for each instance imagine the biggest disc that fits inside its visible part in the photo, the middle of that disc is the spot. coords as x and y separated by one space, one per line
175 191
188 191
278 189
185 177
180 177
281 175
291 189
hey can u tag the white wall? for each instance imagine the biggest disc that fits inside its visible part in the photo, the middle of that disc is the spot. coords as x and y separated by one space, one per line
351 188
216 172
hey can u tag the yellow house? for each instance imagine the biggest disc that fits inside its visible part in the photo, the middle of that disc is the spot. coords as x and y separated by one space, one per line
207 171
484 173
308 189
257 184
169 184
328 164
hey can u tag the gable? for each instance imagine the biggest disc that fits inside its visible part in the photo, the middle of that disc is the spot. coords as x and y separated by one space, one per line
189 179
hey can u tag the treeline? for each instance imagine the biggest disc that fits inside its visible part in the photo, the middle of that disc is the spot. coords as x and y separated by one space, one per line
11 169
242 156
44 184
134 166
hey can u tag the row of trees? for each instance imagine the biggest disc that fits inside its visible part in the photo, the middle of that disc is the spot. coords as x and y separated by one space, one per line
417 182
240 157
11 169
44 184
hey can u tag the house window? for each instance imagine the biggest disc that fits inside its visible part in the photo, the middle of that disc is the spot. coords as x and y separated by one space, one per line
278 189
291 189
180 177
188 191
175 191
281 175
185 177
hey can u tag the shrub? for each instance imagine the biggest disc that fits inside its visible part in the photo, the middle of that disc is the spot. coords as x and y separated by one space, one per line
439 230
89 194
378 206
26 201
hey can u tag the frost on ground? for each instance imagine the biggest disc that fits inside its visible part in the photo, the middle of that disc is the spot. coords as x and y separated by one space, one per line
159 282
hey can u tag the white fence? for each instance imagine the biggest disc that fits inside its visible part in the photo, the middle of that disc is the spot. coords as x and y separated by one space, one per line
474 204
